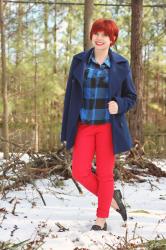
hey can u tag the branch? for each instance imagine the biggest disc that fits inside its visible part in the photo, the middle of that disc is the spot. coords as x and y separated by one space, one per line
96 4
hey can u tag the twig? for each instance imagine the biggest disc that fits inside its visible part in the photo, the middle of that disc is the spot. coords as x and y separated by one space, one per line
39 192
152 185
14 207
77 186
136 224
61 228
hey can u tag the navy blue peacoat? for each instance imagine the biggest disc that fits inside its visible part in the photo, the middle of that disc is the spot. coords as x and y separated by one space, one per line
121 90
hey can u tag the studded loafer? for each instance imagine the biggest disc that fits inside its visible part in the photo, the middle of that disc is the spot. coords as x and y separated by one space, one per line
98 228
122 209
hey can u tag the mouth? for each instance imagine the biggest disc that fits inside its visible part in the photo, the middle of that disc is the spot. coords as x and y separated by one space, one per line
99 43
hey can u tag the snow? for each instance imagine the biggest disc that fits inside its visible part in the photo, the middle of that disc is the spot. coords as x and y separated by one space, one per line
145 203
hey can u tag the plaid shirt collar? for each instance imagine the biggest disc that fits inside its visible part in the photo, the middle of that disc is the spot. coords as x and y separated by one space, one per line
92 59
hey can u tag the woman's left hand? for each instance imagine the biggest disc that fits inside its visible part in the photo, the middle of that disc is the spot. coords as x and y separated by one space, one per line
113 107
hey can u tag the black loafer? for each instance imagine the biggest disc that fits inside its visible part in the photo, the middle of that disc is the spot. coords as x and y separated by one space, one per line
122 209
98 228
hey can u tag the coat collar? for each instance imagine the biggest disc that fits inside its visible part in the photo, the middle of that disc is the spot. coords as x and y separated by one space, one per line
113 55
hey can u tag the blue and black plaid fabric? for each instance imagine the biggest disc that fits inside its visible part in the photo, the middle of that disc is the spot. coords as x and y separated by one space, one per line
94 108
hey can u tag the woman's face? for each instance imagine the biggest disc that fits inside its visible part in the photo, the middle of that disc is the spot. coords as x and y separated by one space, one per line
101 41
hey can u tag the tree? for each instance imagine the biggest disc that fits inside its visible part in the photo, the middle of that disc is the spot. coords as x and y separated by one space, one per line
136 118
88 13
4 85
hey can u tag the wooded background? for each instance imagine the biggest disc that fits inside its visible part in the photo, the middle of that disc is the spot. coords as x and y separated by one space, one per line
38 40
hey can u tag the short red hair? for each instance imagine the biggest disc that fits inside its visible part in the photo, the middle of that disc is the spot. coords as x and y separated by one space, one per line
108 26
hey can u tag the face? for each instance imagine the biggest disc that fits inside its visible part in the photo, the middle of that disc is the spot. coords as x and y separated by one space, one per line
101 41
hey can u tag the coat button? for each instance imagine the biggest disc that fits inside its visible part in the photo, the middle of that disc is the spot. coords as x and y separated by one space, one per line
121 124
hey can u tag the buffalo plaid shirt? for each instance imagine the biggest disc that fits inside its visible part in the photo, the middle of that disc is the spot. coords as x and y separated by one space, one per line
94 109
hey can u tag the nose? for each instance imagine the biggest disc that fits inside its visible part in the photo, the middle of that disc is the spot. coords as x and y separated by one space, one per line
99 36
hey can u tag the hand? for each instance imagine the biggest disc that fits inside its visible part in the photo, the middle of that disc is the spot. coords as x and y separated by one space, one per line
113 107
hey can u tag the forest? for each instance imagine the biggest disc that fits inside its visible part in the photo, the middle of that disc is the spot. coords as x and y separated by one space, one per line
41 205
39 42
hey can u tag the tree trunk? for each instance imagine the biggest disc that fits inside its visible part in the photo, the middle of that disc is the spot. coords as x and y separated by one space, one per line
4 86
88 13
136 114
46 9
36 137
19 40
19 54
55 39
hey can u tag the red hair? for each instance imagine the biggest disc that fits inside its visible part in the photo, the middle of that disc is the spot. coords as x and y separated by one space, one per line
109 28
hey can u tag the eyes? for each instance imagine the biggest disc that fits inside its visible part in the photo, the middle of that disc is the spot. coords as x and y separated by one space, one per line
100 34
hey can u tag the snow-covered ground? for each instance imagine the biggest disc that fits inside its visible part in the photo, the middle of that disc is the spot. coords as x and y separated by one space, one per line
146 203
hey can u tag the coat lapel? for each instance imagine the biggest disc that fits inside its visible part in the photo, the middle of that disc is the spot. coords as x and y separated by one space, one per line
116 73
79 70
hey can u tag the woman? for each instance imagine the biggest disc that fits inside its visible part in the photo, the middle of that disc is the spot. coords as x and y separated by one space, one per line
99 92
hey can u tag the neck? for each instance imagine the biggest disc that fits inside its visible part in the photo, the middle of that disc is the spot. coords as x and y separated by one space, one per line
100 55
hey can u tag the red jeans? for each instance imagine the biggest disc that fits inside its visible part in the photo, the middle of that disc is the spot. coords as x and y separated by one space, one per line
91 139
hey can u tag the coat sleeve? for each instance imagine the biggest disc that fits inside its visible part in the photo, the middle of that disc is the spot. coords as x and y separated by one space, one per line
66 103
128 97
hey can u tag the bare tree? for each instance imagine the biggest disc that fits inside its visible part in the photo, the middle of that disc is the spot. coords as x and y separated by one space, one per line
88 13
4 85
136 118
